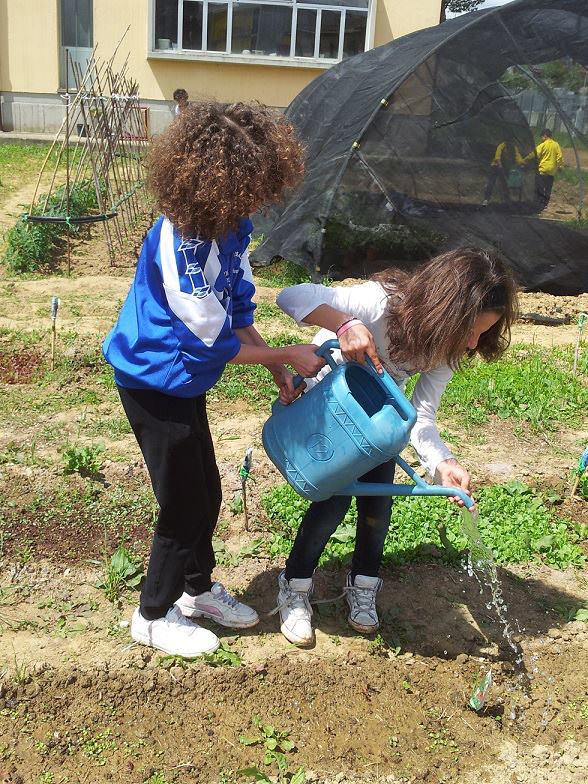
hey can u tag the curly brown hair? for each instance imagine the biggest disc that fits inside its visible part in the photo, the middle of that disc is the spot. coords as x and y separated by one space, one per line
217 163
431 311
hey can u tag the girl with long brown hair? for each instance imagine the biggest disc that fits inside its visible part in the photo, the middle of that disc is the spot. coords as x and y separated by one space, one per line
189 312
426 321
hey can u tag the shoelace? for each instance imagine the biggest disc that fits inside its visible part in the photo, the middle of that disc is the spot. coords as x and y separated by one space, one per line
295 600
365 597
226 598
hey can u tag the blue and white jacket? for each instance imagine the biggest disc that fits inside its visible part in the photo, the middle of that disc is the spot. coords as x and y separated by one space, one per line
175 332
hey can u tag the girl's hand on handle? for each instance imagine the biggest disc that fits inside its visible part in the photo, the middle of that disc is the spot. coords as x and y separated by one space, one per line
449 473
304 360
358 341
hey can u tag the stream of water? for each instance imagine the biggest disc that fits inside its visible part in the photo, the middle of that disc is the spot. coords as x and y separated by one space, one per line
481 566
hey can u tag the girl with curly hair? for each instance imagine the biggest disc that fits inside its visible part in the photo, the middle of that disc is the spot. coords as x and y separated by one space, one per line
458 304
188 313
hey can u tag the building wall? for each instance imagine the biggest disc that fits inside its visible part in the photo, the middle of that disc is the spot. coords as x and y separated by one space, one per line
29 60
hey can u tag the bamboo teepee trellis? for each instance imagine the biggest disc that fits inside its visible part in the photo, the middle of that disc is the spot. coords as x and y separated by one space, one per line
96 159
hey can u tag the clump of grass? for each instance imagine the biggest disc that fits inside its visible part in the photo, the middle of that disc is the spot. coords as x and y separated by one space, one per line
281 274
514 523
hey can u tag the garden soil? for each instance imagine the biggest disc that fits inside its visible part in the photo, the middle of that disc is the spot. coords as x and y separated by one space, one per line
81 703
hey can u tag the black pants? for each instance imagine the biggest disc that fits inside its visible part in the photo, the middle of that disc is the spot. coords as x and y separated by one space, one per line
543 187
323 517
500 174
175 440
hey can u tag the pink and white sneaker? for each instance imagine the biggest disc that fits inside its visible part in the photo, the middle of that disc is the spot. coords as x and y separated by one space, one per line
218 605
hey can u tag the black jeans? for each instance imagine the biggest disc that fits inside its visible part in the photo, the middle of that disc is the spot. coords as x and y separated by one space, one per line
175 440
323 517
543 188
500 174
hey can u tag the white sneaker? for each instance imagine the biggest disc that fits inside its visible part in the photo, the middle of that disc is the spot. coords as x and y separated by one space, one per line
219 605
485 203
361 597
295 610
173 634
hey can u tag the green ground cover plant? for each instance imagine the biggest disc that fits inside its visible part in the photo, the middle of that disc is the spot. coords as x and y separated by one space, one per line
529 384
514 522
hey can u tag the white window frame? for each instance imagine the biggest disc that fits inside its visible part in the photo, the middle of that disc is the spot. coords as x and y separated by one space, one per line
288 61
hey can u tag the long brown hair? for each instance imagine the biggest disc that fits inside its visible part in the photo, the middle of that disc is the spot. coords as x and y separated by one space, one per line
219 162
432 310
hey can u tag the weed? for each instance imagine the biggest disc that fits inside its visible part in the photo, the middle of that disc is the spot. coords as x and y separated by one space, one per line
276 744
83 460
123 571
222 657
156 778
381 647
225 557
47 777
21 672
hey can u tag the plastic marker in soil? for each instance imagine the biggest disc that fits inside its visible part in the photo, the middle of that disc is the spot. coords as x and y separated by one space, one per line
480 692
54 309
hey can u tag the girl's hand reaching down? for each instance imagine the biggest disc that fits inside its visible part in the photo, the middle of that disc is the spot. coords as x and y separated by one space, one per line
449 473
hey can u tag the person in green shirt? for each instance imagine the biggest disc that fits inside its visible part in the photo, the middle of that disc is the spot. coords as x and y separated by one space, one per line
549 159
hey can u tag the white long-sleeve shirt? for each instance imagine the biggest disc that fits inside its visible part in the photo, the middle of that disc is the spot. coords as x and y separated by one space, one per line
367 301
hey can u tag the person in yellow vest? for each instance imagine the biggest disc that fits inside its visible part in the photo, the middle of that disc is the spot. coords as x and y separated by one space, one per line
504 164
549 159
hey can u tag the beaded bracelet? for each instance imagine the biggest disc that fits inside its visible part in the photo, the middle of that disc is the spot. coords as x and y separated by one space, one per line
352 322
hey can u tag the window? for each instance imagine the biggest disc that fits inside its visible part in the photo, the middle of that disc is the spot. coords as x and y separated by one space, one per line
76 21
294 29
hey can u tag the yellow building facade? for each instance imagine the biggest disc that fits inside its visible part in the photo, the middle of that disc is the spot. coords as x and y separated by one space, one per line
267 50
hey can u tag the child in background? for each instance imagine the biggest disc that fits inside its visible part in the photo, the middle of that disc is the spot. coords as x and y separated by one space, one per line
549 158
458 304
188 313
181 98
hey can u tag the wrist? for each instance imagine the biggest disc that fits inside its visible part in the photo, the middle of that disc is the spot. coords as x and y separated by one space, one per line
348 324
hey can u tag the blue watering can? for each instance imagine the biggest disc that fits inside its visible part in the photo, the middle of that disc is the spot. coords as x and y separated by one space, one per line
350 422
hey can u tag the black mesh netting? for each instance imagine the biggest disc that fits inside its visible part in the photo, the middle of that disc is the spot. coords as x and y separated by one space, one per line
401 142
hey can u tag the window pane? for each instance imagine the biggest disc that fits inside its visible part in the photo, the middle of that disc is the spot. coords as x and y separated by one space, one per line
329 46
305 33
192 26
217 28
261 29
166 23
354 41
76 23
342 3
